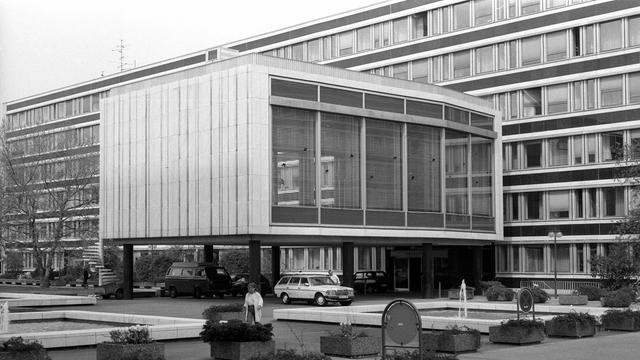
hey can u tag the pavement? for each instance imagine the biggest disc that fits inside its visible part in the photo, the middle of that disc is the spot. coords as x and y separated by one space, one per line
305 336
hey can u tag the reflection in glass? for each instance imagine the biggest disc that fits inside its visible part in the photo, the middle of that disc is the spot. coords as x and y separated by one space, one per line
481 192
456 167
423 158
384 165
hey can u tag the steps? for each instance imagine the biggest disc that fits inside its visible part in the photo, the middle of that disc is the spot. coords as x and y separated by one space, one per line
92 254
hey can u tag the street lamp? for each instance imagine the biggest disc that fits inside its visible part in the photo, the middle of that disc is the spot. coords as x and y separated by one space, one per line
555 235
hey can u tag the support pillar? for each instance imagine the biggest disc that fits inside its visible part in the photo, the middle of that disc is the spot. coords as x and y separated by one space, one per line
127 271
254 262
208 253
275 265
477 266
427 271
347 264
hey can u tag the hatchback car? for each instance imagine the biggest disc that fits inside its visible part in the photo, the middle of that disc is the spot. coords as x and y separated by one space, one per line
370 281
240 282
315 289
197 279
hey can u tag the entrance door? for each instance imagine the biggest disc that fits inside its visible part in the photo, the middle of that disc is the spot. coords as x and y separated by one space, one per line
401 274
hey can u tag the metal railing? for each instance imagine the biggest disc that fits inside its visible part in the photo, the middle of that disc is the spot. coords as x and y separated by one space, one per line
564 286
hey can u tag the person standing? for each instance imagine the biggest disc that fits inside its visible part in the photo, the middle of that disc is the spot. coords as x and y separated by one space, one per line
334 277
252 305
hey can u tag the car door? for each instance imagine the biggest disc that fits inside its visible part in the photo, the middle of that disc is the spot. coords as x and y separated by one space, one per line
281 286
305 289
293 288
186 281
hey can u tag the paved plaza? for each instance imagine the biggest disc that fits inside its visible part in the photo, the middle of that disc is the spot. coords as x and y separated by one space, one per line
306 336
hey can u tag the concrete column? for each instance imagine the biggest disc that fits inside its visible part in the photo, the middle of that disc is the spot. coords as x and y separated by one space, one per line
427 271
127 271
275 265
477 266
347 264
208 253
254 262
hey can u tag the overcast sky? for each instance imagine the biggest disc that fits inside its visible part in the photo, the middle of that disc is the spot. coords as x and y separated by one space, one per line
47 44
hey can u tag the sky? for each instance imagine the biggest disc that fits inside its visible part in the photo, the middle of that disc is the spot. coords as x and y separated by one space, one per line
47 44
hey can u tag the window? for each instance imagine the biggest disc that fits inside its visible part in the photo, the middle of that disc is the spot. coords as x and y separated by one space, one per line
612 147
530 51
423 152
502 257
613 201
419 25
513 105
326 48
534 257
420 70
634 31
577 150
634 87
461 64
557 99
611 35
558 204
401 71
634 145
591 148
578 204
456 157
533 205
590 94
502 56
611 90
364 38
529 7
461 15
481 180
400 30
562 258
589 40
511 207
513 54
484 59
555 3
556 45
577 95
482 12
384 165
580 257
313 50
559 151
297 52
346 43
532 102
591 202
436 24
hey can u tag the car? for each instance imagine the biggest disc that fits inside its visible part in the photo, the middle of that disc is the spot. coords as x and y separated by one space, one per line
240 281
197 279
370 281
316 289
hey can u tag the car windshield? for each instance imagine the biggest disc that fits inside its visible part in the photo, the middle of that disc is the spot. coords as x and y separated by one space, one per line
321 280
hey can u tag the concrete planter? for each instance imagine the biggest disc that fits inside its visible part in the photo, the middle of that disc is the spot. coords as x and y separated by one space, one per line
113 351
236 350
515 335
452 343
226 316
455 293
348 347
573 299
556 328
32 355
624 324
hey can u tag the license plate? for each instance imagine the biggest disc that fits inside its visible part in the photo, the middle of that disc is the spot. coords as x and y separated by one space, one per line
343 296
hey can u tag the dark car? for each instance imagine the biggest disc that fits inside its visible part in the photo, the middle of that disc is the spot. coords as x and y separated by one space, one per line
370 281
197 279
240 282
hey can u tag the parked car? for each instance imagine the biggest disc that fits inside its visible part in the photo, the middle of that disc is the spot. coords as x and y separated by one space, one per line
370 281
239 284
197 279
317 289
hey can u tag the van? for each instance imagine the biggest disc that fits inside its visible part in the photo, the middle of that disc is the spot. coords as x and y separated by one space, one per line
197 279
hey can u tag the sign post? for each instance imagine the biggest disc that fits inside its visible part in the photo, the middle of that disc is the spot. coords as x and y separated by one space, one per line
526 303
401 327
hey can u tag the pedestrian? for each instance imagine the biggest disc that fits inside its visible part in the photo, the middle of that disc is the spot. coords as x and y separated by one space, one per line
252 305
85 276
334 277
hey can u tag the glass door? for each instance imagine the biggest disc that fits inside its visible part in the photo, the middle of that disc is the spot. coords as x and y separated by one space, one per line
401 274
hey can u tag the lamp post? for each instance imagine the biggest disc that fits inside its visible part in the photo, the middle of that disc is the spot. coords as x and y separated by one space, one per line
555 235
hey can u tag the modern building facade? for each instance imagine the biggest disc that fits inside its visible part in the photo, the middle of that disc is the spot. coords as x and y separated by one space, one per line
561 72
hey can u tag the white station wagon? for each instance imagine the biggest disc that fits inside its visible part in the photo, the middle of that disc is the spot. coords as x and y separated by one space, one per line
318 289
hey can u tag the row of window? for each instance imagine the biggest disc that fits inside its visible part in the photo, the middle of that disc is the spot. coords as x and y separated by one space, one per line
435 22
321 258
65 169
570 150
76 229
62 140
51 201
534 50
539 258
57 111
342 156
566 204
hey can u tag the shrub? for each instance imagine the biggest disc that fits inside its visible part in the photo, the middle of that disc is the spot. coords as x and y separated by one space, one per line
582 318
291 355
235 330
430 355
209 312
593 293
539 296
132 335
347 330
25 349
457 330
494 293
484 285
619 298
615 316
523 323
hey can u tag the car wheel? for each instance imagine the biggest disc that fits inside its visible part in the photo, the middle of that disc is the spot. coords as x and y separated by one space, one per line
196 293
173 292
285 298
119 294
320 300
345 303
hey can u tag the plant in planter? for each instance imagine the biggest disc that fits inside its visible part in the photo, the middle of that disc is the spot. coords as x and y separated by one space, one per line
350 342
626 320
236 340
572 324
485 285
573 299
539 296
455 293
17 349
519 332
620 298
290 354
499 293
453 340
593 293
216 313
134 343
430 355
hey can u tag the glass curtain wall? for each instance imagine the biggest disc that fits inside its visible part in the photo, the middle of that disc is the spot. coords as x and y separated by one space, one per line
481 180
423 159
456 178
384 165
